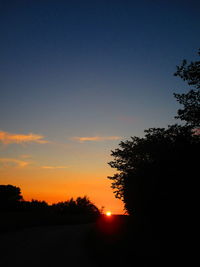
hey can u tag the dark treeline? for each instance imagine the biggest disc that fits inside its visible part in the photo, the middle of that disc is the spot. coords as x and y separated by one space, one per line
11 199
16 213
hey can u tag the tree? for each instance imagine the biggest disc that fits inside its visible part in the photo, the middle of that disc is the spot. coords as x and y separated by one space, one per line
155 170
34 205
82 205
10 196
156 176
85 206
191 100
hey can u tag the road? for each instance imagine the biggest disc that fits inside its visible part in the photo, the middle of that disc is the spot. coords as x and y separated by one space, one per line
47 246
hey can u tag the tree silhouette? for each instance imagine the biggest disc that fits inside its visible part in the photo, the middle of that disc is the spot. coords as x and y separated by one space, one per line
11 199
10 196
155 171
191 100
82 205
33 205
156 176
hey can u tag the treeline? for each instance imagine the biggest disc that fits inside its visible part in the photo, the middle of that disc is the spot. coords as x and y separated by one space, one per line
11 199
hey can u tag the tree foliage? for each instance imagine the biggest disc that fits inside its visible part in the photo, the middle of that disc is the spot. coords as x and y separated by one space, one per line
11 199
154 170
33 205
10 196
82 205
191 100
156 174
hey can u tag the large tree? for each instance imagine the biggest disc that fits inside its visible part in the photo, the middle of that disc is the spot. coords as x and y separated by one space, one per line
157 173
154 171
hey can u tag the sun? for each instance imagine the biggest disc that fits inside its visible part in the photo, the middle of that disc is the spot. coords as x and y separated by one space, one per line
108 213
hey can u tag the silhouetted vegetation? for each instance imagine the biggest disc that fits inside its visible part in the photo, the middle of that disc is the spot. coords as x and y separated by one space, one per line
79 206
152 167
157 173
191 100
10 196
17 213
33 205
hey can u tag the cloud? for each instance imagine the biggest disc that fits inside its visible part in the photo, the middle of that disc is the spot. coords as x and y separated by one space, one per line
9 138
10 162
54 167
96 138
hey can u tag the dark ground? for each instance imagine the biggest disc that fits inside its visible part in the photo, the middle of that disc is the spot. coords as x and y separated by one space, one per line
110 241
46 246
72 244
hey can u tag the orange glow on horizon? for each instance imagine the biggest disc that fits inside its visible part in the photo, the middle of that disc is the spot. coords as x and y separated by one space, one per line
62 184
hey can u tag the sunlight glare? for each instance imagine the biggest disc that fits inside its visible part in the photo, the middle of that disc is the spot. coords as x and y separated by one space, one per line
108 213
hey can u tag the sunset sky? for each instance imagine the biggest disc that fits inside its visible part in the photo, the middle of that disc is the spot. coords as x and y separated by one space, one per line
76 77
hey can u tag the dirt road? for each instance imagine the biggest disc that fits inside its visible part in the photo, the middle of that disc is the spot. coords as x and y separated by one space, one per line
47 246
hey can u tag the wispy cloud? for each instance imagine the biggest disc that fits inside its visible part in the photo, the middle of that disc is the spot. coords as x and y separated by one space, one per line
96 138
54 167
10 138
10 162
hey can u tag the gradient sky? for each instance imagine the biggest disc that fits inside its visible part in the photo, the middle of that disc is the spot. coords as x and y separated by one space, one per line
76 77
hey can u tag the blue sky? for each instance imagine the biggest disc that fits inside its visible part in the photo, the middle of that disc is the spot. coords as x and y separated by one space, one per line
98 69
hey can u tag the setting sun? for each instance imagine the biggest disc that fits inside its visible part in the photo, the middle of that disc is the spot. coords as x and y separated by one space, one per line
108 213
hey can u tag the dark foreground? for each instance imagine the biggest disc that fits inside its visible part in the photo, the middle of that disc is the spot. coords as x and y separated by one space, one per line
46 246
110 241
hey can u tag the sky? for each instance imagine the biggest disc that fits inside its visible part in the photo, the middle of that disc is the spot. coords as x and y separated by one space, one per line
78 77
